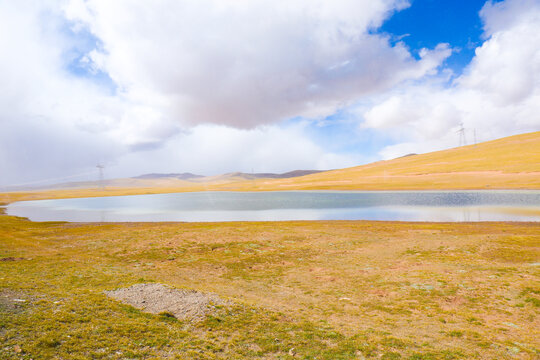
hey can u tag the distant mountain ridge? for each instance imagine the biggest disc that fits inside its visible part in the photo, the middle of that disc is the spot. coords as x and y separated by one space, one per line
247 176
170 179
182 176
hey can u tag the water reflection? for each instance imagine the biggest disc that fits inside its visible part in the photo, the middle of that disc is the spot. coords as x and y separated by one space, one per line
291 205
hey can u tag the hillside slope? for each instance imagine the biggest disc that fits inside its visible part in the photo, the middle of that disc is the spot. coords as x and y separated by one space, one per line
511 162
508 163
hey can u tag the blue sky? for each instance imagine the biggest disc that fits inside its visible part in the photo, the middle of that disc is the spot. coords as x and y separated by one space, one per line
427 23
210 87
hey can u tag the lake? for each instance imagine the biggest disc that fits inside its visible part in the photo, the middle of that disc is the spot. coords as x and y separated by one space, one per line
492 205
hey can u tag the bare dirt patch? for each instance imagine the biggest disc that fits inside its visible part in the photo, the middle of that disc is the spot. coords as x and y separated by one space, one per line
160 299
10 258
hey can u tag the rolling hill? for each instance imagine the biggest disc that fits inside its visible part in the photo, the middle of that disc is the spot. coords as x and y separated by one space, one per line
508 163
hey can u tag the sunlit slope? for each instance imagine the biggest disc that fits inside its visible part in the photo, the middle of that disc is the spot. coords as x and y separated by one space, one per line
508 163
512 162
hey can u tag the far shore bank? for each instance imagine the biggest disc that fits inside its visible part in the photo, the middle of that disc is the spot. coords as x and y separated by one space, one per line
260 185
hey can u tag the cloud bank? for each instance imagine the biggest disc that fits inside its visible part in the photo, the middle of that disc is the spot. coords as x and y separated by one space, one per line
245 63
209 86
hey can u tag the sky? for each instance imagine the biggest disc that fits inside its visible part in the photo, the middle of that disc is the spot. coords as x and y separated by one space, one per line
214 86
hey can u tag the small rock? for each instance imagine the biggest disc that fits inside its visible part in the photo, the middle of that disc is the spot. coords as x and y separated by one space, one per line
511 325
426 287
513 349
344 299
17 349
292 352
360 355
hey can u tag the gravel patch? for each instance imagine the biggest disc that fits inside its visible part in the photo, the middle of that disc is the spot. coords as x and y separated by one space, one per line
158 299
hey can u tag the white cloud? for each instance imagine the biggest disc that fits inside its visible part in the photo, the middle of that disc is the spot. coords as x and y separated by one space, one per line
246 63
42 108
498 95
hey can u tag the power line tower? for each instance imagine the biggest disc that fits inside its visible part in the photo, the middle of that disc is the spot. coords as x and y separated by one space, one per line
101 180
462 139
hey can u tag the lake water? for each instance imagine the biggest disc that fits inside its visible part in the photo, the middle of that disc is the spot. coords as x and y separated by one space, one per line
291 205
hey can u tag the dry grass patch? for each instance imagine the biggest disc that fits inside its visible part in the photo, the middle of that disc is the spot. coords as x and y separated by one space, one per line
330 290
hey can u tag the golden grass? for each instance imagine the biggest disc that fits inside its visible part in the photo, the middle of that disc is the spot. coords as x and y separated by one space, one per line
328 290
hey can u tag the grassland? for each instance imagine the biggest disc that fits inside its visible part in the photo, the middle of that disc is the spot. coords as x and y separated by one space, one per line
308 290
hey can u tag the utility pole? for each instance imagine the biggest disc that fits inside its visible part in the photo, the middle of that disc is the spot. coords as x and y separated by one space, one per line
101 180
462 139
